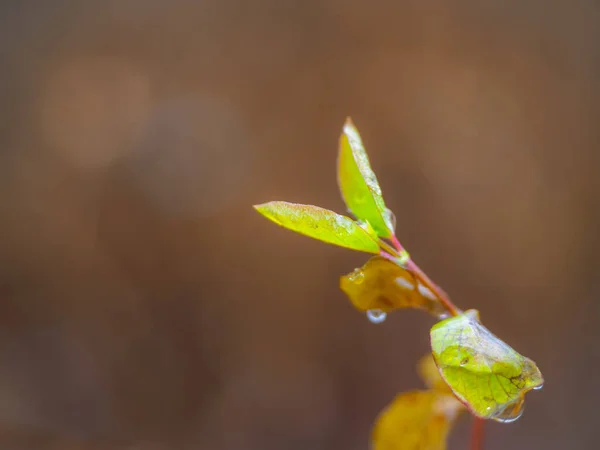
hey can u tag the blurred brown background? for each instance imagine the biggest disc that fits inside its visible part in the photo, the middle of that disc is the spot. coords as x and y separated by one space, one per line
145 306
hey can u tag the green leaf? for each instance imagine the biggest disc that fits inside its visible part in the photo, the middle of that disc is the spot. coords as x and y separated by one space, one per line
320 224
430 374
358 184
485 373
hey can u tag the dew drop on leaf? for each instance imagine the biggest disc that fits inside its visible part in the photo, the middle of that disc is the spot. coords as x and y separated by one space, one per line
383 285
376 315
509 419
357 276
511 413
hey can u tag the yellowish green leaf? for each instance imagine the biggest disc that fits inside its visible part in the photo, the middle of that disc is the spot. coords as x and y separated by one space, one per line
358 183
484 373
382 285
368 228
319 223
416 420
431 375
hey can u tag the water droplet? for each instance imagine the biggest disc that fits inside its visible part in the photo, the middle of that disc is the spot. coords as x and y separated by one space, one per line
510 412
390 219
376 315
509 419
357 276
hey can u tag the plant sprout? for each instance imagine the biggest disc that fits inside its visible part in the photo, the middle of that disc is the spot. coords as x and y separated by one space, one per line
469 368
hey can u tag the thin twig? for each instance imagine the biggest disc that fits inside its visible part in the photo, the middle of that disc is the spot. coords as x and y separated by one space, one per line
387 256
388 248
477 434
426 281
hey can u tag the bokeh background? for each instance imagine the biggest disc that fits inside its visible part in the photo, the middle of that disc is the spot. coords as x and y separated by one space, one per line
145 306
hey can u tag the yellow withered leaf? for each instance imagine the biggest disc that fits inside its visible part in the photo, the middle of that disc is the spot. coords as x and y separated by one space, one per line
382 285
416 420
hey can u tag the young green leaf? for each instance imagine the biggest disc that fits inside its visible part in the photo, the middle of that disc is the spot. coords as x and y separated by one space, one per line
382 285
358 183
486 374
320 224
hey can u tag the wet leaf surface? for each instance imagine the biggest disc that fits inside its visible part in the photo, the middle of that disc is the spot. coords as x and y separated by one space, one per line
485 373
319 223
358 183
382 285
430 374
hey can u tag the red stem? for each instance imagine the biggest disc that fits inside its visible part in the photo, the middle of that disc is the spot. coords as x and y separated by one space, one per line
477 434
388 256
397 243
426 281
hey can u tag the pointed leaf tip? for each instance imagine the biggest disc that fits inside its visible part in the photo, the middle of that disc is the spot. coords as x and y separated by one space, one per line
319 223
358 184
